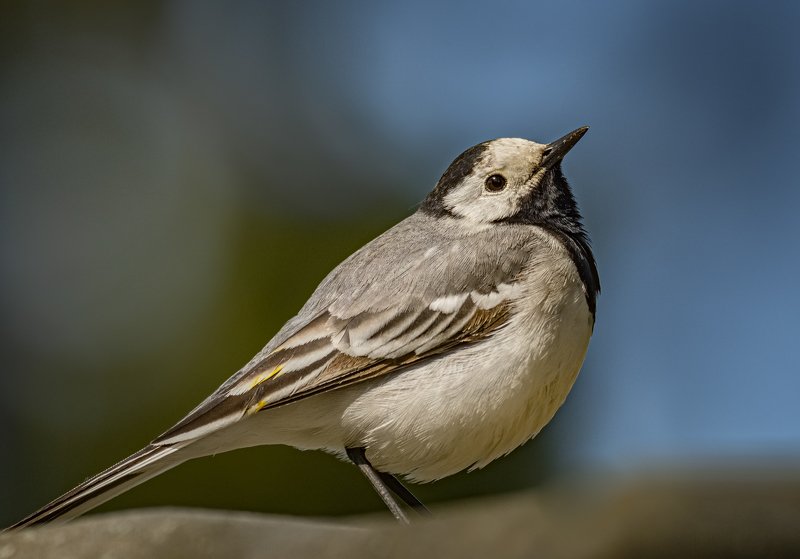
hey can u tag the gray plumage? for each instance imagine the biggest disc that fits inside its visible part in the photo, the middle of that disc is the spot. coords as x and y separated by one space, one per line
442 344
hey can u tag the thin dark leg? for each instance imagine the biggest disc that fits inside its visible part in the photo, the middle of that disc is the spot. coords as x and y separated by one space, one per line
402 491
359 458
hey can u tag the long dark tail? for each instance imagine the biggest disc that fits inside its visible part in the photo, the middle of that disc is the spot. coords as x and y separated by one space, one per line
135 469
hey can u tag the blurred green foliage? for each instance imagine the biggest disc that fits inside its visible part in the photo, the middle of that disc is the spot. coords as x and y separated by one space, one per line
274 266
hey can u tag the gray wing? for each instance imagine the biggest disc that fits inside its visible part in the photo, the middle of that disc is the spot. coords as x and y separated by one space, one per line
408 296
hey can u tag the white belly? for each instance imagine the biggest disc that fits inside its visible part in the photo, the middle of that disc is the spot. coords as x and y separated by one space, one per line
460 411
465 410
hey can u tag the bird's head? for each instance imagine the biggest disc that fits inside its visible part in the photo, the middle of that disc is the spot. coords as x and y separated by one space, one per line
507 180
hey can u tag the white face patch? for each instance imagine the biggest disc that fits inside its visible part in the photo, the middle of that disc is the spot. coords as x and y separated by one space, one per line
517 160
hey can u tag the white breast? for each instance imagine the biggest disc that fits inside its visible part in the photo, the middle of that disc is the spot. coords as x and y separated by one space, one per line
460 411
466 409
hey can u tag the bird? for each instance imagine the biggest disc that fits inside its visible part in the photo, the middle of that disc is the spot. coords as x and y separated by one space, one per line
439 346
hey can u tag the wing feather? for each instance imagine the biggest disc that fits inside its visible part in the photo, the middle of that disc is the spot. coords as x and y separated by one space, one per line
331 352
410 295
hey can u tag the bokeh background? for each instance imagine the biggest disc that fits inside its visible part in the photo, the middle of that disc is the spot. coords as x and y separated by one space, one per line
176 177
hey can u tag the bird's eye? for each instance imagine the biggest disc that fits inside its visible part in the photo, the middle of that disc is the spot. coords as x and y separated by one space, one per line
495 183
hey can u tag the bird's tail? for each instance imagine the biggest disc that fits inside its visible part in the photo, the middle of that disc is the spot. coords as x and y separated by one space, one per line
137 468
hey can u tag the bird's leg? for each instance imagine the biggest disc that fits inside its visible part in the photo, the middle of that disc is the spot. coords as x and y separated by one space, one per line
359 458
402 491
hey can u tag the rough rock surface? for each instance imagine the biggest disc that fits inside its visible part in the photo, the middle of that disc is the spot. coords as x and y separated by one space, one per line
688 518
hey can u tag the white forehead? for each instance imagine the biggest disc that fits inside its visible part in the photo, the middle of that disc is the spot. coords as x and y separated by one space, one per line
512 155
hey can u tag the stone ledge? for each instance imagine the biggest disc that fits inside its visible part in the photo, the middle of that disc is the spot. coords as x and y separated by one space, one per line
657 518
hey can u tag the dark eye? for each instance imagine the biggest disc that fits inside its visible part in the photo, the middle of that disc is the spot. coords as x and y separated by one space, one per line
495 183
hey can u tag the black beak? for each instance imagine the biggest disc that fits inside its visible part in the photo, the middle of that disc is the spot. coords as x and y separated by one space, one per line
555 151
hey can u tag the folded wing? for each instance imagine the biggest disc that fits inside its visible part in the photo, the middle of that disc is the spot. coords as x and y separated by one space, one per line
331 352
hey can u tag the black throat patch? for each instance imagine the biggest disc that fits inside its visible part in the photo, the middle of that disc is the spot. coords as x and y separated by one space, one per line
552 206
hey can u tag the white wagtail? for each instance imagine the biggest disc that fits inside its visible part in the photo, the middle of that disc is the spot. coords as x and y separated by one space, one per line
446 342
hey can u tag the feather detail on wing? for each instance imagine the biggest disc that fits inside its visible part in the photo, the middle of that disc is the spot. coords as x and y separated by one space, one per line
330 352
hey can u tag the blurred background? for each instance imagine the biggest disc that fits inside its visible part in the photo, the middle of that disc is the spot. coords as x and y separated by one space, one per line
176 177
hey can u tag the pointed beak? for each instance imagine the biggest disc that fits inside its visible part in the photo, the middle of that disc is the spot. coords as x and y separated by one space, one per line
555 151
